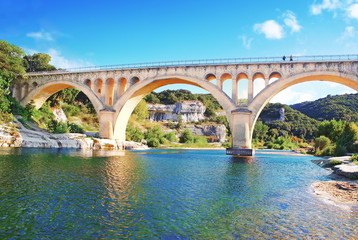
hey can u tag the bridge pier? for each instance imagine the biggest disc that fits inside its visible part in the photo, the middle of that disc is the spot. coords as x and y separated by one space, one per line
106 123
241 133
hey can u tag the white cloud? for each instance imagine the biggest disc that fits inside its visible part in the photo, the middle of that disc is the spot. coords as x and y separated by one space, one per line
348 91
42 35
291 21
246 42
349 7
353 11
270 28
290 96
60 61
349 32
325 5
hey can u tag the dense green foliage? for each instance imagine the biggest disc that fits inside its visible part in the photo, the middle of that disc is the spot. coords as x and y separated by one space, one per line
339 107
295 124
187 137
38 62
11 68
336 138
141 110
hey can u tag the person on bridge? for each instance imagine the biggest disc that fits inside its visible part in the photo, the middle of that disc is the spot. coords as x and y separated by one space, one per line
291 58
284 58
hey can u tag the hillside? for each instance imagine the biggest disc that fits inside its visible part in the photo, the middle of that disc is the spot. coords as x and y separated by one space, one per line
338 107
295 123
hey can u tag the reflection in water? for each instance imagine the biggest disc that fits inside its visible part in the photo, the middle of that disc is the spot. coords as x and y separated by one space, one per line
243 159
163 194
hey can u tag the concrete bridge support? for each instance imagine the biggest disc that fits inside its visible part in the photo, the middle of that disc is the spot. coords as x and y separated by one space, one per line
106 125
241 133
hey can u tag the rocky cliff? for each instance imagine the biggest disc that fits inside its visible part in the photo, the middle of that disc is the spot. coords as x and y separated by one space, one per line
190 111
217 132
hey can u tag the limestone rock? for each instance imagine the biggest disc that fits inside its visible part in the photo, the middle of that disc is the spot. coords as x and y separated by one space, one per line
60 115
190 111
217 131
347 170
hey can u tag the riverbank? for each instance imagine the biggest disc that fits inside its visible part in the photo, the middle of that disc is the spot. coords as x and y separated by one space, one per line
15 134
343 194
342 190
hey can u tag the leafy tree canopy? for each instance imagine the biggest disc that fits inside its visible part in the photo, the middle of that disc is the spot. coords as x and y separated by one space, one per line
38 62
339 107
11 64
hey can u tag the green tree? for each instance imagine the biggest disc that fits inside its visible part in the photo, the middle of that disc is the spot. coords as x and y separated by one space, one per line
331 129
322 142
152 98
67 95
260 130
186 137
134 133
154 136
11 68
141 110
170 136
38 62
346 140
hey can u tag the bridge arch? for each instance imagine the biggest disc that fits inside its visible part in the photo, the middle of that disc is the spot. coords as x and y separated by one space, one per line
42 92
129 100
260 101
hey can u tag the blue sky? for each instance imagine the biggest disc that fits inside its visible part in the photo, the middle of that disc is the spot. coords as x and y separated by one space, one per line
87 33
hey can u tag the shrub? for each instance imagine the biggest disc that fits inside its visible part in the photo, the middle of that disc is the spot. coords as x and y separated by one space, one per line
71 110
57 127
328 151
226 145
155 133
171 137
340 150
186 137
153 142
74 128
322 142
134 134
334 162
200 139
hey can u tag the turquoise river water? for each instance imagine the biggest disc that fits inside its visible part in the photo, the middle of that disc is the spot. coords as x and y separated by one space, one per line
164 194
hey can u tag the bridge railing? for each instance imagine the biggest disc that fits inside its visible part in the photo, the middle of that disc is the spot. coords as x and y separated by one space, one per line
208 62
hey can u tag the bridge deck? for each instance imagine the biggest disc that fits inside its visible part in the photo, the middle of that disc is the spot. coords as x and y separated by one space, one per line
206 62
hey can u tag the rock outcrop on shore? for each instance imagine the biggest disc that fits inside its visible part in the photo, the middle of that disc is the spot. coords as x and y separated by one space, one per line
344 191
338 192
16 135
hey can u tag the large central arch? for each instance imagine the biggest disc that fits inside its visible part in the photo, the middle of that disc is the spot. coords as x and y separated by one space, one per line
40 94
127 102
260 101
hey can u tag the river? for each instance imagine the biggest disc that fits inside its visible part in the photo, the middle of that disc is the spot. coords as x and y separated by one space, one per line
164 194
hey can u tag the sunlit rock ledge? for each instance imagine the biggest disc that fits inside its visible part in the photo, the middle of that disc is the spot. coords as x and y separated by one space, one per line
16 135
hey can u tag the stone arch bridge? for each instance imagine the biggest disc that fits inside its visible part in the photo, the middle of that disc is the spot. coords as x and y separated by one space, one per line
115 90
